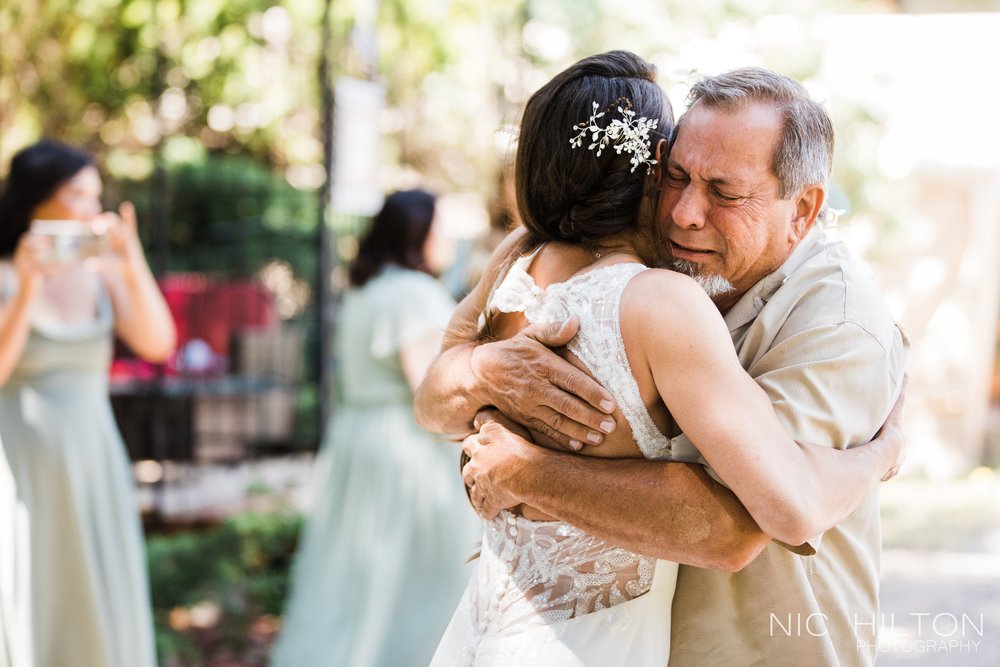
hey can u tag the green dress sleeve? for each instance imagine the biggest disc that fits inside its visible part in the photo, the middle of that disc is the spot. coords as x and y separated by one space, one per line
414 306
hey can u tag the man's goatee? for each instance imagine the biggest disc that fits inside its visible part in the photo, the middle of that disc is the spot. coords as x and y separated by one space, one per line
712 284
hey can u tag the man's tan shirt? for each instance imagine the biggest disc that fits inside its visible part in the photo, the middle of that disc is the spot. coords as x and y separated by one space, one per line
817 336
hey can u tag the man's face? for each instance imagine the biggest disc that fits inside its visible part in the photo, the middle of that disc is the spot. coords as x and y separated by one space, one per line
720 208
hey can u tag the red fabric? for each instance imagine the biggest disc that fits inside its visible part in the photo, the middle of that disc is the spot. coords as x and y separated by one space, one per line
209 309
212 311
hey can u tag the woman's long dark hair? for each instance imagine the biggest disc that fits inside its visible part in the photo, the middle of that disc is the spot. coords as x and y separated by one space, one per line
396 236
572 194
36 172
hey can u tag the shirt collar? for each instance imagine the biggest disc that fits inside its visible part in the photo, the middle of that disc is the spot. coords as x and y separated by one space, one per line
750 304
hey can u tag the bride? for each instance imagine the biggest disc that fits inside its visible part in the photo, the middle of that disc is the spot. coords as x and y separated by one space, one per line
545 592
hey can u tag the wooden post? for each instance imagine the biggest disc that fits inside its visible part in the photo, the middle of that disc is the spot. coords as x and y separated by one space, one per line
325 307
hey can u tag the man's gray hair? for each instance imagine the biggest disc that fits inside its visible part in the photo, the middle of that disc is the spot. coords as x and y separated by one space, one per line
804 153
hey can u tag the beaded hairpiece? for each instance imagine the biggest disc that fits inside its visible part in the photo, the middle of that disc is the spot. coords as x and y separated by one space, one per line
627 134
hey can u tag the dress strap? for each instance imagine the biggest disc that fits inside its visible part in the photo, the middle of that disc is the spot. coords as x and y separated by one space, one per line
105 307
8 277
530 257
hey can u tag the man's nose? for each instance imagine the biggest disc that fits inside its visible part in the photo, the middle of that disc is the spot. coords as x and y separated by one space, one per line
688 211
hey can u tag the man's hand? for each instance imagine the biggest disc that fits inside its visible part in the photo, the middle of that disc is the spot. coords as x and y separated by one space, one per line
536 387
491 414
891 435
487 415
495 459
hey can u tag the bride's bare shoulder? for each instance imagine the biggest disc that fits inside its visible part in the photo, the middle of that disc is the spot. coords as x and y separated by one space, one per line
659 303
664 285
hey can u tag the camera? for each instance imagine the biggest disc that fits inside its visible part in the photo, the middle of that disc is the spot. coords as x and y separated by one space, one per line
71 240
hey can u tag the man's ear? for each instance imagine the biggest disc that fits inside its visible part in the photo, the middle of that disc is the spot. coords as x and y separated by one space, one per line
808 204
660 151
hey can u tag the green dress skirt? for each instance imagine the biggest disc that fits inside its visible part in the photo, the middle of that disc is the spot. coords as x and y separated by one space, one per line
73 582
382 563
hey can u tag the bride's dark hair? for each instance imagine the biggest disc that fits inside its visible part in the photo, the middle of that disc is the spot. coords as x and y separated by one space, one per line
572 194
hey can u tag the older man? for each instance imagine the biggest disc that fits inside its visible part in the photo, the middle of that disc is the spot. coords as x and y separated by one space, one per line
743 185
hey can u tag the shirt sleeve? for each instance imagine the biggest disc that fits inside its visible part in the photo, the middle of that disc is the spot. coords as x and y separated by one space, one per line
417 307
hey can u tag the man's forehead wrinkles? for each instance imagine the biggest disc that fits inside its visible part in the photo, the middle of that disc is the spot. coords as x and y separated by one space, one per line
712 177
724 180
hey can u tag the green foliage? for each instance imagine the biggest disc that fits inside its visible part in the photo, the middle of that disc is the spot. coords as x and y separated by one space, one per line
241 76
265 544
241 566
119 77
230 215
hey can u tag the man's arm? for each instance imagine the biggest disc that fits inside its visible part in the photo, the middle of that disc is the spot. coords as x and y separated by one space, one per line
520 376
668 510
664 509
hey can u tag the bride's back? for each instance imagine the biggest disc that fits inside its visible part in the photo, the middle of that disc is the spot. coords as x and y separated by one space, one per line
585 185
568 280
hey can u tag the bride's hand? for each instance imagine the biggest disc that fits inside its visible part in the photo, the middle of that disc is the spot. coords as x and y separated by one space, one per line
491 414
891 435
495 458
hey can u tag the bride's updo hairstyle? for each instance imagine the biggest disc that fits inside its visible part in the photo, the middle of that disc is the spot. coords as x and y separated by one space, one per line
573 194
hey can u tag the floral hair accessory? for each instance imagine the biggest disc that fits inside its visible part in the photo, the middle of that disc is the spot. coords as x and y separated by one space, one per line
627 134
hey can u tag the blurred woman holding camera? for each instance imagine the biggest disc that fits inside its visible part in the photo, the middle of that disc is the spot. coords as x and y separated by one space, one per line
73 582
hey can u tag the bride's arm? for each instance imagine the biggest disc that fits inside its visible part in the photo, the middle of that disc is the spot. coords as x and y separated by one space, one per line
794 491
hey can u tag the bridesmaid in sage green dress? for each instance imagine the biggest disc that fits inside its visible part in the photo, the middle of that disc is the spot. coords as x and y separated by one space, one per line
73 583
382 557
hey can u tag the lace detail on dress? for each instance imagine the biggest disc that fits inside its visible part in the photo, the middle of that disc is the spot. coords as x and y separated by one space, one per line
534 573
595 298
537 573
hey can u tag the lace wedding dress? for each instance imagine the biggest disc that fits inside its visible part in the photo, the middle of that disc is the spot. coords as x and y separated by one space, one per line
544 592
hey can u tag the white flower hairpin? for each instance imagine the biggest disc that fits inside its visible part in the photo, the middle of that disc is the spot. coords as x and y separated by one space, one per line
627 134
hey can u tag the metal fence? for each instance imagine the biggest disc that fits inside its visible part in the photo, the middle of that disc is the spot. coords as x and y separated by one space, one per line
235 251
